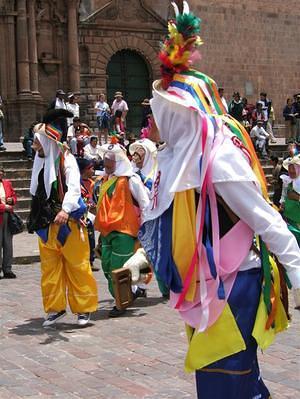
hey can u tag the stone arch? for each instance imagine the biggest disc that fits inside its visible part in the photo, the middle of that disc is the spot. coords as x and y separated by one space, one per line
137 44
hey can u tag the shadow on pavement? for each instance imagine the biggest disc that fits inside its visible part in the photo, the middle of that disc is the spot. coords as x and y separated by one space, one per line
34 327
149 301
103 315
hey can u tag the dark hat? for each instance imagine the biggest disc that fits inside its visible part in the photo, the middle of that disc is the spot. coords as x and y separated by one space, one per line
146 101
53 114
61 92
49 126
84 164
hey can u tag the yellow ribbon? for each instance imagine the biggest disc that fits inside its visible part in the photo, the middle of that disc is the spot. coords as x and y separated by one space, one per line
104 188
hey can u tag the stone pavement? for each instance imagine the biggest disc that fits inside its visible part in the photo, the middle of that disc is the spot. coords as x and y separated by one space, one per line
140 355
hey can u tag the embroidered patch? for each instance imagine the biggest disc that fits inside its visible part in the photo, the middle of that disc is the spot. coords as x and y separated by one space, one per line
238 143
154 199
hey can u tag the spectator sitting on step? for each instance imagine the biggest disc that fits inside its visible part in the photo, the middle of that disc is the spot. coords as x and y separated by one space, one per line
8 199
118 123
72 128
80 140
260 136
92 152
28 141
245 121
258 115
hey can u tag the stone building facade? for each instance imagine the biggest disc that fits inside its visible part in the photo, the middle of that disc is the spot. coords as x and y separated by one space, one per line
79 45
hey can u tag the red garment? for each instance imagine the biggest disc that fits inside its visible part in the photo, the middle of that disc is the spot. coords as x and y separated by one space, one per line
9 192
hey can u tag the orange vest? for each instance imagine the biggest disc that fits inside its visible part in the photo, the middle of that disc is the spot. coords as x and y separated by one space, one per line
118 212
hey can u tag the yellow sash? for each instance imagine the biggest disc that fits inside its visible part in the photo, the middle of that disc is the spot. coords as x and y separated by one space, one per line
104 187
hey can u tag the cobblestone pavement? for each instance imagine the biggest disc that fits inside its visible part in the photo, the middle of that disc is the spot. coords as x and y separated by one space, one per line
137 356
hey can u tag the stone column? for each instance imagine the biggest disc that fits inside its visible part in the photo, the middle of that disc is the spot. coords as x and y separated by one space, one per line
22 49
33 60
73 51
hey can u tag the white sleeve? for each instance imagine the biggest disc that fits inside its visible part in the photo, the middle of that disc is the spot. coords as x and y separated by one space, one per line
126 109
70 202
247 203
70 132
87 153
139 192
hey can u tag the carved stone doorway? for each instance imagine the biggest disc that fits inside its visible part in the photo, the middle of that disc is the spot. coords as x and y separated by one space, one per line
128 72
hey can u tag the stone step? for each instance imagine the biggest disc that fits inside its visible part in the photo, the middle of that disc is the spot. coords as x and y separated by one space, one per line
18 155
18 173
20 183
22 192
9 164
23 203
23 213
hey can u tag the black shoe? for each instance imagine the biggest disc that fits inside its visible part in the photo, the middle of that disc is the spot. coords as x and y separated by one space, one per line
53 317
2 148
166 296
115 312
139 293
9 275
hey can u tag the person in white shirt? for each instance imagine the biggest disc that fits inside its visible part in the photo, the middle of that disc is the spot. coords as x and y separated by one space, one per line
120 105
223 99
260 137
103 117
73 107
92 152
59 103
57 216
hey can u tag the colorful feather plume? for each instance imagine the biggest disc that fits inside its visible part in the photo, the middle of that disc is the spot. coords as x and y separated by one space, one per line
179 49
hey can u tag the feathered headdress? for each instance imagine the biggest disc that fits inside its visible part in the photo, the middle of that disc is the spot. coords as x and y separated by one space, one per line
179 50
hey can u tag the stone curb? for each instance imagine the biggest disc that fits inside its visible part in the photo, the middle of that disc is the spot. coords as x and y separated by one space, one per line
26 260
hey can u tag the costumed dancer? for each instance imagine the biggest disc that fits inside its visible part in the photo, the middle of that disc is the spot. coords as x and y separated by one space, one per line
56 213
144 158
290 198
87 170
117 216
199 212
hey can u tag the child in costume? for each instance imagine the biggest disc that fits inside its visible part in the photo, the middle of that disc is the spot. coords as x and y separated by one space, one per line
290 198
196 217
87 170
56 213
117 218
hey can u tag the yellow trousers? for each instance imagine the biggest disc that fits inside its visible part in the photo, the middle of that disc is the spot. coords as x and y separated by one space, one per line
66 272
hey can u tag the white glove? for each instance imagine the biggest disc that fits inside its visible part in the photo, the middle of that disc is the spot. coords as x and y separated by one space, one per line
136 263
297 298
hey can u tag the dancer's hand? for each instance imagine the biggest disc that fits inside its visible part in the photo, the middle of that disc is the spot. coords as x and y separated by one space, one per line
137 263
61 218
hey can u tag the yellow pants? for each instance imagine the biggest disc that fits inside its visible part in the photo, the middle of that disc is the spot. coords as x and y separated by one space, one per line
66 271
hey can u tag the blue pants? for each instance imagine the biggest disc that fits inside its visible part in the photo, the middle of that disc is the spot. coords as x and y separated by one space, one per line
237 376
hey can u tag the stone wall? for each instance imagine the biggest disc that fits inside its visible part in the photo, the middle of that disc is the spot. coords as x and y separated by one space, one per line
250 46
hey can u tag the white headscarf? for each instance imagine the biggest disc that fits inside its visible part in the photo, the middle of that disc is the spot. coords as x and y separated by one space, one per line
150 161
51 151
123 165
180 125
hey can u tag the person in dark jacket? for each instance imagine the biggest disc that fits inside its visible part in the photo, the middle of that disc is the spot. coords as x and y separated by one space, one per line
236 107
